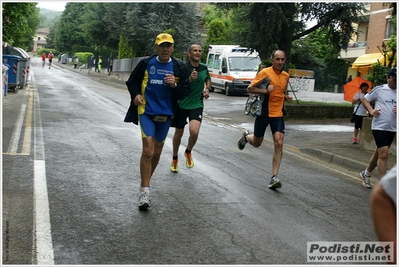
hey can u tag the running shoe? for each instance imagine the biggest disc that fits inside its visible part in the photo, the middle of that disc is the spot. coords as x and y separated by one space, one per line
243 140
173 166
144 200
274 183
189 160
365 179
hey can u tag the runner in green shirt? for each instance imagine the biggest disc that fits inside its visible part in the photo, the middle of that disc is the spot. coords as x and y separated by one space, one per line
191 106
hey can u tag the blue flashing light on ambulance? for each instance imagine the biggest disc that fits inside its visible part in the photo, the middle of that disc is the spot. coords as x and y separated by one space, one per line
232 68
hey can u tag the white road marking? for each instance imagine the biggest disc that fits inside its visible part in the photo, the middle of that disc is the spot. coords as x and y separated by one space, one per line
42 228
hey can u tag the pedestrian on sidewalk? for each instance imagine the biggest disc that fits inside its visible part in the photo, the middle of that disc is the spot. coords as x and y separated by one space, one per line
383 125
100 63
110 63
360 112
272 93
155 86
75 62
191 107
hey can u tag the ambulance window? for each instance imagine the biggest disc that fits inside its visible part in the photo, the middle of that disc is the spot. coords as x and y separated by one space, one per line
216 64
210 60
224 63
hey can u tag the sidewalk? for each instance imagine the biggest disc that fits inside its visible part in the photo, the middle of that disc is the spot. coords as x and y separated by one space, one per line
330 140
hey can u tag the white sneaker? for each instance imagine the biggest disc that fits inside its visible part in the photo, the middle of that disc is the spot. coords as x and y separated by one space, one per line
144 200
365 179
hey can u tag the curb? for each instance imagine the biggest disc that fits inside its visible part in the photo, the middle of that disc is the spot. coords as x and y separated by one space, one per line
351 164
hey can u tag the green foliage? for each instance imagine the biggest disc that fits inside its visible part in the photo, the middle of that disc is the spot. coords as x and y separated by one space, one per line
217 32
125 51
20 21
141 22
379 74
267 26
68 32
84 56
48 17
40 51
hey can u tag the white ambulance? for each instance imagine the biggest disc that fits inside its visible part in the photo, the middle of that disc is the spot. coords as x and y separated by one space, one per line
232 68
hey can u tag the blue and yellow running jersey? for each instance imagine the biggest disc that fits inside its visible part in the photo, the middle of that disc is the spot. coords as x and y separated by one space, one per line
157 96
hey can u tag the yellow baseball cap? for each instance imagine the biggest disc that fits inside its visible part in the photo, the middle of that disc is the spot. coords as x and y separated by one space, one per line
164 38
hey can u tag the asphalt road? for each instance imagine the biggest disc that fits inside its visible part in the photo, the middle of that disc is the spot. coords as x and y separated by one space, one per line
71 182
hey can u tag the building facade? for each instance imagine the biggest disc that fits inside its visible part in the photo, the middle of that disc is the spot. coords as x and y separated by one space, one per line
365 48
39 40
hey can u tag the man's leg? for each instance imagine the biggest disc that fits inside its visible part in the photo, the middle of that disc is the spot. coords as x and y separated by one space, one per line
194 127
254 141
382 160
278 138
177 140
152 150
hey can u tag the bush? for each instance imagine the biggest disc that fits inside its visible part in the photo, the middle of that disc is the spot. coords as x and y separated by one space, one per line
84 56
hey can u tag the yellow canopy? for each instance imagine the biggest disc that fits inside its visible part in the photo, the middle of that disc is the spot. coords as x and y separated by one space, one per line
363 63
367 60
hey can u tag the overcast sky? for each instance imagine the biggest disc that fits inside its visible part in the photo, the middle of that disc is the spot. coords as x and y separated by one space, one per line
52 5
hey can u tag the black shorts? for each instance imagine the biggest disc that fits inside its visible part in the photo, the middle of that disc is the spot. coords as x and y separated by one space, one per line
181 115
383 138
358 122
261 123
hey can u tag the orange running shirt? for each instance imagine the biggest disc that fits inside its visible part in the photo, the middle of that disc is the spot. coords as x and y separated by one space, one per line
277 96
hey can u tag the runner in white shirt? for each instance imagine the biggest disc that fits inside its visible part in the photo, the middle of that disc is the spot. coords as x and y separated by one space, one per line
383 125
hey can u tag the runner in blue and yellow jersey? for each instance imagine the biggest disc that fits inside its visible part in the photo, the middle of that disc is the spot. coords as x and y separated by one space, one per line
155 86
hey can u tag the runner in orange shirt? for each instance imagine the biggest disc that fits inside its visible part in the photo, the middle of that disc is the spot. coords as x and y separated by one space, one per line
271 84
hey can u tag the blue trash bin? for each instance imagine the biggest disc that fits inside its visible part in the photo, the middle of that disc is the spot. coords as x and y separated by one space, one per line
13 73
24 63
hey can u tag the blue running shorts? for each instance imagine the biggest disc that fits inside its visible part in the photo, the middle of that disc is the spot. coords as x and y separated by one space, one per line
149 127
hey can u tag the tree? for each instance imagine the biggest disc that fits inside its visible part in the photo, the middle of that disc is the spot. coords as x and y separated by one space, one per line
20 21
68 32
144 21
94 28
268 26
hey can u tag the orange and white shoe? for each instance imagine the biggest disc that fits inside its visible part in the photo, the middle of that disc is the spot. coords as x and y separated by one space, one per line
173 166
189 160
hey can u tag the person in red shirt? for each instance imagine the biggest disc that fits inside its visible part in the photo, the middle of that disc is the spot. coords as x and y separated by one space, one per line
50 59
43 59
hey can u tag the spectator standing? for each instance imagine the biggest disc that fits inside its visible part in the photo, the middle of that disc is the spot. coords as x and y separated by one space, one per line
191 107
271 84
383 125
360 112
155 85
111 62
349 79
75 62
100 63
